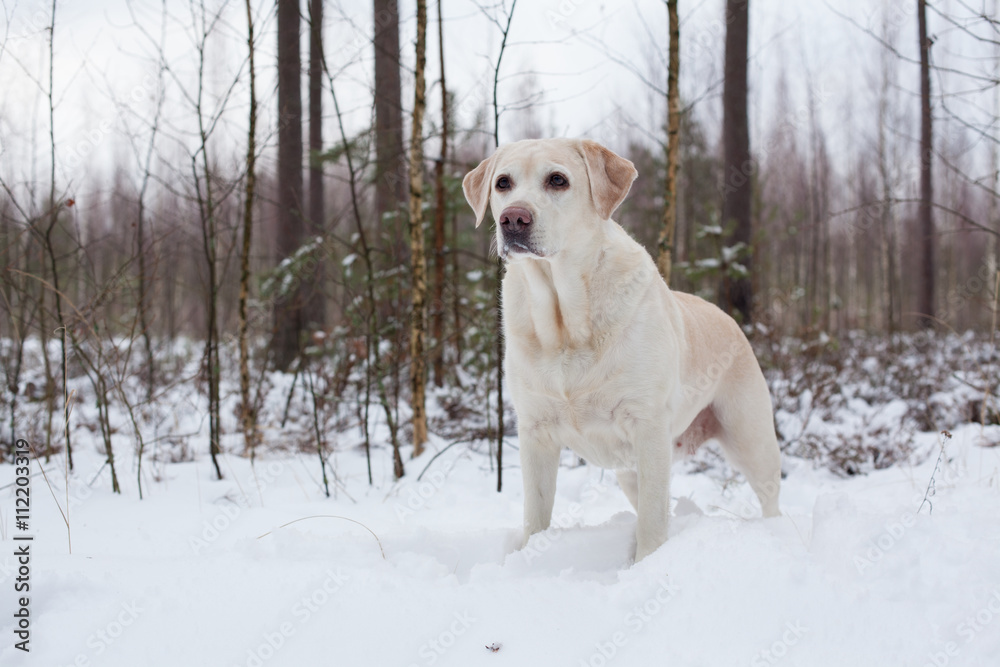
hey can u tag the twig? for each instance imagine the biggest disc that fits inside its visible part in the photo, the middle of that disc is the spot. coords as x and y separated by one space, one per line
318 432
69 537
932 483
330 516
433 458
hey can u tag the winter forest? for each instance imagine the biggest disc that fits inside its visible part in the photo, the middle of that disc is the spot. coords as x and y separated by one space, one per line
251 335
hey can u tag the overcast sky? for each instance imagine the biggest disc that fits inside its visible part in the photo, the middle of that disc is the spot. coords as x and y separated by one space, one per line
583 62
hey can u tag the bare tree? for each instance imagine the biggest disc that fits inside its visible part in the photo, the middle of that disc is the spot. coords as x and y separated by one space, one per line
316 298
925 303
994 254
390 185
818 287
504 26
288 307
248 416
736 293
440 209
886 218
369 314
666 242
391 181
206 198
19 308
418 327
143 245
53 220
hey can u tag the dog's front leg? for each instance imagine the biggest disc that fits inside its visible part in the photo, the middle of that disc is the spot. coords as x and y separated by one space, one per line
653 471
539 466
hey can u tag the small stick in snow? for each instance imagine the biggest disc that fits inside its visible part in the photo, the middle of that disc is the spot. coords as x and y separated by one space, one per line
931 484
330 516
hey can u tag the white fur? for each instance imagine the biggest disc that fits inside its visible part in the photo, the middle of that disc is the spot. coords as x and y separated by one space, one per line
601 356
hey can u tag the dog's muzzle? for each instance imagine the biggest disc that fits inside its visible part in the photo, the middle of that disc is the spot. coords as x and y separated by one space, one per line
516 232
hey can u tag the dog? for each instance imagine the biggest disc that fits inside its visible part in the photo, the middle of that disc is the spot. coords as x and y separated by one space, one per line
602 357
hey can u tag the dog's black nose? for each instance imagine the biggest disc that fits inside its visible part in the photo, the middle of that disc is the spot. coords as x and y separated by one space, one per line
515 218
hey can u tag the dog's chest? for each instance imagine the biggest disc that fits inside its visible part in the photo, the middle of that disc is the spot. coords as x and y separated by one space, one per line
572 347
574 397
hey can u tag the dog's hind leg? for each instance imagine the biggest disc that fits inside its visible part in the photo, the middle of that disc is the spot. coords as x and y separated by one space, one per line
748 438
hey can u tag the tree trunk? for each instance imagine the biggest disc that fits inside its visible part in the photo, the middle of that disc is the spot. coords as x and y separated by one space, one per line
210 245
248 417
390 179
993 250
144 287
886 223
499 272
925 217
57 292
288 307
315 315
418 371
666 244
737 293
437 310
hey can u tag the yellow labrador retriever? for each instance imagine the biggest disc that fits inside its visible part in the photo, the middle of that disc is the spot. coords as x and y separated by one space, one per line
601 356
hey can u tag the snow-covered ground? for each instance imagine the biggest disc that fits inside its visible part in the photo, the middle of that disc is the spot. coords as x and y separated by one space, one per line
201 572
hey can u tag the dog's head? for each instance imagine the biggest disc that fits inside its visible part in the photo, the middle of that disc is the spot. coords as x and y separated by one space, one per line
544 191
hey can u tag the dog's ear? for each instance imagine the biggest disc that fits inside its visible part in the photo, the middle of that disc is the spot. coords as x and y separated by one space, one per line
477 185
610 176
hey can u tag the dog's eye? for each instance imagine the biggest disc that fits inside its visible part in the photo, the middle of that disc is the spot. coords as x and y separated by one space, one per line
558 181
503 183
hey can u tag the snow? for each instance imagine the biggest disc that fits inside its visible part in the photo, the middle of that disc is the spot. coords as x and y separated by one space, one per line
200 572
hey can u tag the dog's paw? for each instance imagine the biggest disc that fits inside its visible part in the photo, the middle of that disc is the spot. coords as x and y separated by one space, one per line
525 538
644 548
641 553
